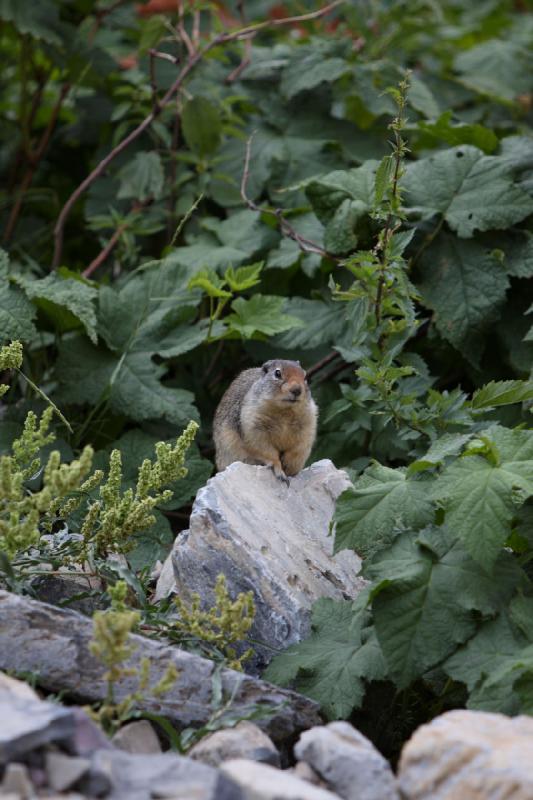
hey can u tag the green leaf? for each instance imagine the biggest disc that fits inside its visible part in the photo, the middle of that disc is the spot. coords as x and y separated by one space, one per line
497 67
142 178
152 545
425 589
466 286
460 133
383 177
489 664
201 125
480 498
323 322
448 445
472 191
211 283
502 393
129 382
308 68
381 501
244 277
38 20
340 656
421 98
55 294
341 200
16 312
260 316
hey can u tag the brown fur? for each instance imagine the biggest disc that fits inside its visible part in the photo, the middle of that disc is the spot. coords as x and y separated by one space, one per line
262 419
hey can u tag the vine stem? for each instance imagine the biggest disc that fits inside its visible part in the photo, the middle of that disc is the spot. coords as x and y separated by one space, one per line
194 58
34 159
306 245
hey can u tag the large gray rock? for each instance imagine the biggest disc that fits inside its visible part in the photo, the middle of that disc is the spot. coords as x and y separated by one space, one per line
470 755
262 782
54 643
245 740
271 539
348 762
28 724
124 776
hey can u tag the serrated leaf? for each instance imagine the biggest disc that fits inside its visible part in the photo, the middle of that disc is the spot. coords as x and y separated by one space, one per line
502 393
243 278
333 665
480 498
202 125
58 293
466 287
497 67
260 315
308 68
471 190
142 178
460 133
129 382
382 499
38 20
341 200
421 98
16 312
209 282
488 663
450 444
426 588
383 177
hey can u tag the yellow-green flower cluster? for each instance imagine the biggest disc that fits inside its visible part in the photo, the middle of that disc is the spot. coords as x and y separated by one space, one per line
226 623
114 518
112 646
10 358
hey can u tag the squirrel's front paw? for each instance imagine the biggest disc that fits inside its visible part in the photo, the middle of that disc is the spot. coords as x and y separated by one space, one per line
280 475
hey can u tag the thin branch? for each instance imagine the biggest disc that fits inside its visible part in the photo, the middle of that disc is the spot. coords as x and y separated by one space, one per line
184 36
103 255
194 59
306 245
245 62
322 363
34 159
153 84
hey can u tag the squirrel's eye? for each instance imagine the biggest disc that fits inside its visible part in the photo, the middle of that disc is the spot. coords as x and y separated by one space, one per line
277 373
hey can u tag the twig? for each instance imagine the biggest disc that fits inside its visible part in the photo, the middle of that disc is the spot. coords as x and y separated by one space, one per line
153 84
34 159
247 57
335 371
286 228
184 36
193 60
245 62
103 255
322 363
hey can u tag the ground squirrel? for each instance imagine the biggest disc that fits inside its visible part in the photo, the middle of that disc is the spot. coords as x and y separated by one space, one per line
267 416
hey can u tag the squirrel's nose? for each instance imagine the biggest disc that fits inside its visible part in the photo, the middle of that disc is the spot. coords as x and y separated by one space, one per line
296 391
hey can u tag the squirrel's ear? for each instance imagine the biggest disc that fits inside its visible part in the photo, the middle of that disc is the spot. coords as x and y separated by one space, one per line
265 368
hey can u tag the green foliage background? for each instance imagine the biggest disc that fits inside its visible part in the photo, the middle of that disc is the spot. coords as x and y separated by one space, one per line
168 283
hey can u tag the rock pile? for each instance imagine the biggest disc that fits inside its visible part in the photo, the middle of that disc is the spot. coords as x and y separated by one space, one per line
50 751
47 750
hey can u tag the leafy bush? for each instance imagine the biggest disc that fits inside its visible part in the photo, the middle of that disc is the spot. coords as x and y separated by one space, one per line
184 250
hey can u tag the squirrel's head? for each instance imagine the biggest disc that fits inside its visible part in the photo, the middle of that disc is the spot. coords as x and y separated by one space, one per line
285 380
